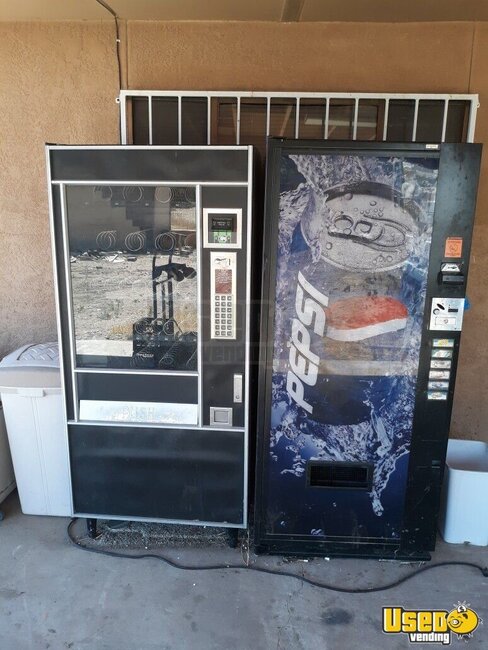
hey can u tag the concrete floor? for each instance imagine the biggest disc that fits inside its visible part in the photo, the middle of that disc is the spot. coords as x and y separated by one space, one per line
53 595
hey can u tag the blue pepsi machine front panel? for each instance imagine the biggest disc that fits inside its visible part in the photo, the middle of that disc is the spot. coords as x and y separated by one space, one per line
349 256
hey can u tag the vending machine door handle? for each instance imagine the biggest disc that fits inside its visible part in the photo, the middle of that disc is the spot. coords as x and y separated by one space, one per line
238 388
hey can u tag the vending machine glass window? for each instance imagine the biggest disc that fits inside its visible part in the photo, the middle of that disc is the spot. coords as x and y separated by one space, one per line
133 268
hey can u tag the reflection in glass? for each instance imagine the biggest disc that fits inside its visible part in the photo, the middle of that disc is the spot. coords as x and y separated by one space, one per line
457 121
400 120
164 120
224 120
429 121
134 267
312 118
140 120
341 117
370 117
194 120
282 117
253 123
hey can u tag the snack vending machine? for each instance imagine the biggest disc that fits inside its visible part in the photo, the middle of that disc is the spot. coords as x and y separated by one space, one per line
152 249
366 259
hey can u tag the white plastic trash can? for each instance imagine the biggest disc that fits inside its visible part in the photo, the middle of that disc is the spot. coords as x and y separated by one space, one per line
30 388
464 506
7 480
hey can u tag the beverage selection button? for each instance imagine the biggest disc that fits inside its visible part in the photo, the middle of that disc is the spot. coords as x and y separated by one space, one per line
438 385
436 395
440 363
443 343
441 354
439 374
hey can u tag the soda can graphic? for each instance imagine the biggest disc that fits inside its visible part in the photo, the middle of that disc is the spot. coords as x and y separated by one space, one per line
354 318
363 227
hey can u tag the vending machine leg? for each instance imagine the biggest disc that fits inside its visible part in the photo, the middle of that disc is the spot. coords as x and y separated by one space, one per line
233 537
91 527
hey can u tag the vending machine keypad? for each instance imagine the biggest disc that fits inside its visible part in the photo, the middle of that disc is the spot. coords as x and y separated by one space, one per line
223 295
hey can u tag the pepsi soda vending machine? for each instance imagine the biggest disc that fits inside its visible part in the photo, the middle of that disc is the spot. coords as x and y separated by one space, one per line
152 249
366 260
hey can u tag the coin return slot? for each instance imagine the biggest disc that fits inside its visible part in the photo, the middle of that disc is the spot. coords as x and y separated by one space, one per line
327 474
220 417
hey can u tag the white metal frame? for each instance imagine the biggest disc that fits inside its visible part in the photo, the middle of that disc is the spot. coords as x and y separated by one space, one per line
61 185
51 187
126 95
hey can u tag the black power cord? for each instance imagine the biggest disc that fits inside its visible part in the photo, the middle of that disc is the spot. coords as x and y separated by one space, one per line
106 6
258 569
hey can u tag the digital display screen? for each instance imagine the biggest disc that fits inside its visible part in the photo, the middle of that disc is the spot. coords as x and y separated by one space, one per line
223 222
223 281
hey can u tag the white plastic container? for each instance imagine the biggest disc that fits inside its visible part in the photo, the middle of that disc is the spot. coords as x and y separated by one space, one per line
464 503
7 479
30 387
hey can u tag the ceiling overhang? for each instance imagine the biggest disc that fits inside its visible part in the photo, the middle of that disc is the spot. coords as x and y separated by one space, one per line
249 10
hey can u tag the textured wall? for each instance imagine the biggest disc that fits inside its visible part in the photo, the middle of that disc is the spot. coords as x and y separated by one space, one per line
59 81
419 57
57 84
470 414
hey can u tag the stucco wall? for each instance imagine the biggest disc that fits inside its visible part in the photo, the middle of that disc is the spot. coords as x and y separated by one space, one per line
58 82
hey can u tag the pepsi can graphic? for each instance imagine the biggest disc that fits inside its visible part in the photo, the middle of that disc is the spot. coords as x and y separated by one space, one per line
354 238
349 335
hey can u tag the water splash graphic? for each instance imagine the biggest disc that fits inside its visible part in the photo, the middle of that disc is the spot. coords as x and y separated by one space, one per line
353 226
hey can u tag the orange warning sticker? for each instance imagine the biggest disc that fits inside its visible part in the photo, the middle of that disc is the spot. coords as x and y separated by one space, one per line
454 247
